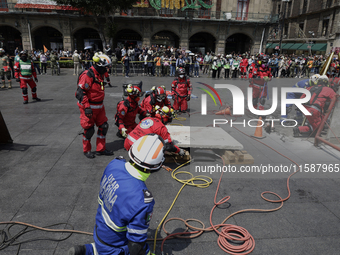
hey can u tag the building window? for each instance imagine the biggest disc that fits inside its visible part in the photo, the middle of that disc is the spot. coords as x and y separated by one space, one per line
325 27
289 8
304 7
3 5
329 3
242 9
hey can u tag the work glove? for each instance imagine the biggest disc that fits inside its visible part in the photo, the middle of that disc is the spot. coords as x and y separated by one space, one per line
17 79
266 78
147 114
181 152
36 79
188 97
124 134
88 113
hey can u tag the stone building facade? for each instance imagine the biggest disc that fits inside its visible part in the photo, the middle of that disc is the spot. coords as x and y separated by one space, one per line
309 26
228 26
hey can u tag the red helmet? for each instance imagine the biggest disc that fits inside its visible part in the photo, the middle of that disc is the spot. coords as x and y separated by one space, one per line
160 94
181 71
164 114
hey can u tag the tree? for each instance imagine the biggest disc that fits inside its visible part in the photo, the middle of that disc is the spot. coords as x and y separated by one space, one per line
99 10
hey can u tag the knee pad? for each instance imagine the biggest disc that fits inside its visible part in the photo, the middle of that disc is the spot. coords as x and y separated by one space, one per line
255 101
88 133
262 101
34 89
103 128
24 91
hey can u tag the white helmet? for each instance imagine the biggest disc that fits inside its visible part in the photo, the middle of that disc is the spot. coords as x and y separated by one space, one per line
101 60
323 80
148 152
314 79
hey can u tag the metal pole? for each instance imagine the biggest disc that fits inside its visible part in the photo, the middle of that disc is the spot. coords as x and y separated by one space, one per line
29 34
260 51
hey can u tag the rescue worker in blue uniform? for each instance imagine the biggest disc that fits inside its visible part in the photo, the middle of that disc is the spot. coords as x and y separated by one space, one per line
125 204
313 80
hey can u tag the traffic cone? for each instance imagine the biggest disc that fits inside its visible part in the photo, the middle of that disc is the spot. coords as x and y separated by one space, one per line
258 130
225 111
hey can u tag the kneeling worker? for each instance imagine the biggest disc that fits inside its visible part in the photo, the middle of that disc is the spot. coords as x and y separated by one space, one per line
154 125
125 204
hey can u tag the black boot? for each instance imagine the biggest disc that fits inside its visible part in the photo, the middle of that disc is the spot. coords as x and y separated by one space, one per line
89 154
25 102
37 99
296 132
104 152
77 250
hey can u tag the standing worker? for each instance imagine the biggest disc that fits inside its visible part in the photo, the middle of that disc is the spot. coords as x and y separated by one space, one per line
76 62
181 91
125 204
114 61
54 67
5 69
24 73
90 94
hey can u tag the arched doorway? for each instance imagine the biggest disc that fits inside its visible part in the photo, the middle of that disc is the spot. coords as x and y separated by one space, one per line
10 38
87 37
165 38
128 38
238 43
49 37
202 42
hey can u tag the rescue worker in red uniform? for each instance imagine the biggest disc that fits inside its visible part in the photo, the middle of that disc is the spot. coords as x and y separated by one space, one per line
252 70
156 98
5 69
320 95
181 91
127 111
154 125
24 73
243 67
90 94
259 80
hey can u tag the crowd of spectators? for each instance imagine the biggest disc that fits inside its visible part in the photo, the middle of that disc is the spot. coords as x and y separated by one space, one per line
161 61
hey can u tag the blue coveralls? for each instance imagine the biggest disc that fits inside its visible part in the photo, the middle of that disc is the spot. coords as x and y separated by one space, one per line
124 211
301 84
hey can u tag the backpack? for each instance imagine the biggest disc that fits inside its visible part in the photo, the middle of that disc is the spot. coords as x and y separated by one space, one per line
79 92
315 91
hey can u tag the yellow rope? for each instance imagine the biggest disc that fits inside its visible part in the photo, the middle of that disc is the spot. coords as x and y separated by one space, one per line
204 182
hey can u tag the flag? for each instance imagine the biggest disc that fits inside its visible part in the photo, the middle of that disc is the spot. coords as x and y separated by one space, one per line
45 49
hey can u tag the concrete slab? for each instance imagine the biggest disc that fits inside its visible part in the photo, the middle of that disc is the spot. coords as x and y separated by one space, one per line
203 137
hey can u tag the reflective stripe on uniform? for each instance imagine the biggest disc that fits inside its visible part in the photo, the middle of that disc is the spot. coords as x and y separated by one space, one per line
137 231
131 138
95 252
107 219
26 78
96 106
101 136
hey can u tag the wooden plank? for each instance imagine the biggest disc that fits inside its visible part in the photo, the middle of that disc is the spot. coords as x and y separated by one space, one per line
239 156
230 155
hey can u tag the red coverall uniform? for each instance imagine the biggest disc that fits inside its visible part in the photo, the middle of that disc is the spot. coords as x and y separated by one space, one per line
127 111
26 71
257 83
243 68
93 98
149 125
252 70
315 107
149 103
181 89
